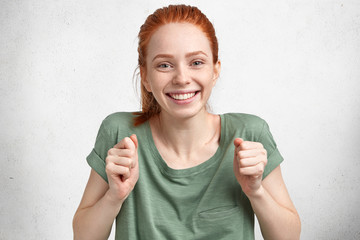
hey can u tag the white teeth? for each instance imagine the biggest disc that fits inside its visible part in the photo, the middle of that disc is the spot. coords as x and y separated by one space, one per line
182 96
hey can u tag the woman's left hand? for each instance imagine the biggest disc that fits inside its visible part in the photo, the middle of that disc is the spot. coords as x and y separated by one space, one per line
250 159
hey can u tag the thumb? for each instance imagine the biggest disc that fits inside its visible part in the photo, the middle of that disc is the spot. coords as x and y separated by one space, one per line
135 140
238 141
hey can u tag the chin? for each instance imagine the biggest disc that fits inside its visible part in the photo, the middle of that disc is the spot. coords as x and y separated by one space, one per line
186 113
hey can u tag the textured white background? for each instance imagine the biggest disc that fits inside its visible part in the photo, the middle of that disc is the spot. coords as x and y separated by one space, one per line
65 65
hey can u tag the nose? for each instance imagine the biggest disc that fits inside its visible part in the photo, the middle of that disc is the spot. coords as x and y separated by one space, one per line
181 76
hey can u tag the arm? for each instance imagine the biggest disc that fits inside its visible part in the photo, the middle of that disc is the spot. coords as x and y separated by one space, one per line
274 209
96 212
101 201
269 198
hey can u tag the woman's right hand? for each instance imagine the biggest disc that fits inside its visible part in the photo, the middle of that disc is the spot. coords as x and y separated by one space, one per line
122 168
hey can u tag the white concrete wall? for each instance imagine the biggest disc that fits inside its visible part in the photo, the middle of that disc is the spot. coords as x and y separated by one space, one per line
65 65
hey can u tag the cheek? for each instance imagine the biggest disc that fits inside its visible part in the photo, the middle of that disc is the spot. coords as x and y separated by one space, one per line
208 79
156 84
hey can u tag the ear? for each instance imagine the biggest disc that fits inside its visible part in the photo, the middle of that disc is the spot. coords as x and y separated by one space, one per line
217 69
144 80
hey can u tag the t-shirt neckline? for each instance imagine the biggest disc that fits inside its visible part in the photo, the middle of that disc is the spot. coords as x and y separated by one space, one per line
178 173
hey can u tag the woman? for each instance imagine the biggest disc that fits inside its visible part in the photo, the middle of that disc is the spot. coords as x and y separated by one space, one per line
176 171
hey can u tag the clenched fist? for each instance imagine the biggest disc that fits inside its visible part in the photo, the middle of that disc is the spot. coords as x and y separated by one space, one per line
122 168
250 159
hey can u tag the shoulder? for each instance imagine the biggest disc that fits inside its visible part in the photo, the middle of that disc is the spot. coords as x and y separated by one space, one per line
119 121
244 120
247 125
117 118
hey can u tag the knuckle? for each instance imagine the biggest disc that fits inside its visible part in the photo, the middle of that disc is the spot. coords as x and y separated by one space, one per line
132 152
264 151
108 168
127 140
242 163
107 159
110 151
265 162
260 169
129 162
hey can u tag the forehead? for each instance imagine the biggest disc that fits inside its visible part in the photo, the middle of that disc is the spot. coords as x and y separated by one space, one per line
178 38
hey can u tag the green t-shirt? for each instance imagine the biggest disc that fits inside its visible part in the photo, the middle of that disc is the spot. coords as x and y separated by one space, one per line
202 202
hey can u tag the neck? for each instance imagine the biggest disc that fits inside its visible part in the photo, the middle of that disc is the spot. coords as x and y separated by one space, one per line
185 137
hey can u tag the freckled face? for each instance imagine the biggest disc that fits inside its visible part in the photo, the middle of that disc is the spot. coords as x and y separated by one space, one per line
180 71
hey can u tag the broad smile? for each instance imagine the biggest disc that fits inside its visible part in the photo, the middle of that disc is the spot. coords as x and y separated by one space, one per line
183 97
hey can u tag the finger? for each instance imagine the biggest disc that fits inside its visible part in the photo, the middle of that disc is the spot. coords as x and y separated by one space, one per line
125 143
252 170
129 144
122 161
248 145
117 170
251 153
249 162
126 175
121 144
120 152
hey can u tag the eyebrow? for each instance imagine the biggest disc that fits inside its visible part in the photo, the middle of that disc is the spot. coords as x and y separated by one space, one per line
195 53
187 55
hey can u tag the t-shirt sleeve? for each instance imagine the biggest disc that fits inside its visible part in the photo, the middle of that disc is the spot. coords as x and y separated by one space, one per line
273 155
96 158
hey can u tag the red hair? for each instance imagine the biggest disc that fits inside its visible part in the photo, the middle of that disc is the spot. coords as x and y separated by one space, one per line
162 16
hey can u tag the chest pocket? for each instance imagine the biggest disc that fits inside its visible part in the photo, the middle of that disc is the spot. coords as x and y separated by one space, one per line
218 213
224 211
232 221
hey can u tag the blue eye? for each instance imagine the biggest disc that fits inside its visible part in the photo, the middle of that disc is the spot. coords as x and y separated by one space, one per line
197 63
164 65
